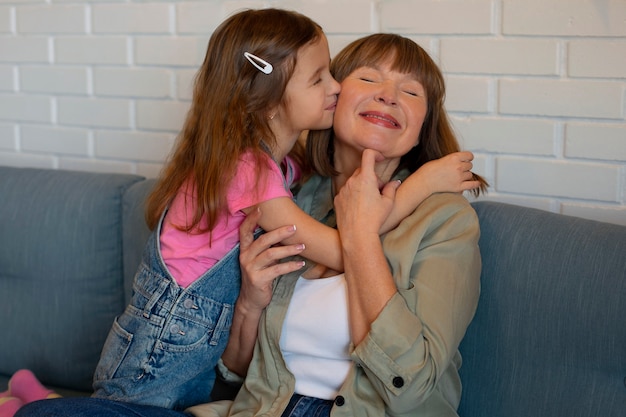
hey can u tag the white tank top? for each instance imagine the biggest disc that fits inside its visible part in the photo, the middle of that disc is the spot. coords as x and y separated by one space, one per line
315 338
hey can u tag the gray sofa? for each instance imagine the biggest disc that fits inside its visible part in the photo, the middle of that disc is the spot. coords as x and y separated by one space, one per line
548 339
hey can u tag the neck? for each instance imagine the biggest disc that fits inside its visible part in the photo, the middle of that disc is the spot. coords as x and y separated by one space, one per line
285 140
347 160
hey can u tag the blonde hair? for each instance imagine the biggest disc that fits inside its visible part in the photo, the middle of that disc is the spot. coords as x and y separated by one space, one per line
228 113
436 138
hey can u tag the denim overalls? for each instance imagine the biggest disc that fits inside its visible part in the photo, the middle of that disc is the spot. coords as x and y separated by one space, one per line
163 349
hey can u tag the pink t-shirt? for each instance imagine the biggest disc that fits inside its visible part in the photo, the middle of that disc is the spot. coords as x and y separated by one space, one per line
189 255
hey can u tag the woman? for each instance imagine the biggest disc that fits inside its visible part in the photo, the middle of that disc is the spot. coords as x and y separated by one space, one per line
395 319
384 336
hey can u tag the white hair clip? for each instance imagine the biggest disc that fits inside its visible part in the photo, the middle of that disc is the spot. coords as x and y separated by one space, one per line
261 64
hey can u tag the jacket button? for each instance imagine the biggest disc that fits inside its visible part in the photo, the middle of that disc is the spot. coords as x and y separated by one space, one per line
339 401
398 382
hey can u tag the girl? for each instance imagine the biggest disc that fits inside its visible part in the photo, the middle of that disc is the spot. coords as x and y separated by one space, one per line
264 81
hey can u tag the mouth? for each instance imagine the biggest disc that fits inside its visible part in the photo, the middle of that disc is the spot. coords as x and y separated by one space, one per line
380 119
332 107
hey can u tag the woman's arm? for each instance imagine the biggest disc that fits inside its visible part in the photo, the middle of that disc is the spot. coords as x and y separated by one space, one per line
260 264
451 173
361 210
410 317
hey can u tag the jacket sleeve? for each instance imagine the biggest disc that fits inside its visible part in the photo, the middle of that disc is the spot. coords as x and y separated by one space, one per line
435 261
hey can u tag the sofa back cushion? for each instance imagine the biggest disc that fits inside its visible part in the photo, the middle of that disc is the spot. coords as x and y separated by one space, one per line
61 270
549 335
135 231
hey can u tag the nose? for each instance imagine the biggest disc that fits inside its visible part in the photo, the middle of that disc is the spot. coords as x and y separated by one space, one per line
387 94
335 87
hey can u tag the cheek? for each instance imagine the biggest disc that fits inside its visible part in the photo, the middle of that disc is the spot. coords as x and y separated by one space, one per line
341 121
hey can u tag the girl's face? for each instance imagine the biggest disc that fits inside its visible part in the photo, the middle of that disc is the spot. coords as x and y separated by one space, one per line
380 109
311 93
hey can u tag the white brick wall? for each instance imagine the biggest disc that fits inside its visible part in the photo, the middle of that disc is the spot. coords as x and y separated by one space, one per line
536 88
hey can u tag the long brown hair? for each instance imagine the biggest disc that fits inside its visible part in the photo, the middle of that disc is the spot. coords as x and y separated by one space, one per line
229 109
436 138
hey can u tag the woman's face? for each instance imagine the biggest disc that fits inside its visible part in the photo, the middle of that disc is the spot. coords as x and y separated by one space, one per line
378 108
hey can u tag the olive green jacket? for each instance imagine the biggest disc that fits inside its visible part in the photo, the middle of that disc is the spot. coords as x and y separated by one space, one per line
408 364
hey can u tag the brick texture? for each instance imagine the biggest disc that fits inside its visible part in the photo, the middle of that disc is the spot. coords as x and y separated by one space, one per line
535 88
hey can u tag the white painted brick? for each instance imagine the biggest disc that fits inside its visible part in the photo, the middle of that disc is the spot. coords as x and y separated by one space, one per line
92 112
133 82
597 58
48 79
608 214
198 17
95 165
7 137
595 141
479 165
7 78
91 50
5 20
574 98
337 42
564 18
467 94
436 16
25 108
52 19
54 140
31 49
231 6
131 18
184 84
161 115
149 170
157 50
511 136
336 16
557 178
12 159
499 56
139 146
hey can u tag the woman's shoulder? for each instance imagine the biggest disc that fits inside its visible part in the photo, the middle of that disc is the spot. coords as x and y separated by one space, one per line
442 208
446 202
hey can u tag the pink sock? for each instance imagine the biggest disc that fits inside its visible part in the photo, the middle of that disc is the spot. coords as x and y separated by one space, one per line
9 406
25 386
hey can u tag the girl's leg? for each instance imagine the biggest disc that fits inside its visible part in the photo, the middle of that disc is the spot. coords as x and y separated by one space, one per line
93 407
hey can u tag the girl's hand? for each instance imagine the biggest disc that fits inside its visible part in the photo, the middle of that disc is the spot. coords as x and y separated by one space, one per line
450 173
360 205
260 261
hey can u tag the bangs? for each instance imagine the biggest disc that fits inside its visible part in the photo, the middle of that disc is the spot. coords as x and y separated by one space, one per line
404 56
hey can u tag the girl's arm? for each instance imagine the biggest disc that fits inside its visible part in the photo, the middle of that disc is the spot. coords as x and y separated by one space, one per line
321 243
451 173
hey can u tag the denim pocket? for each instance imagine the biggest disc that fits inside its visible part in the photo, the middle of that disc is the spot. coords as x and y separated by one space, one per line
115 348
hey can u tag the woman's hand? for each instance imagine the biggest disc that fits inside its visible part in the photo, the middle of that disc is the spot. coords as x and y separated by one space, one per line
361 206
260 265
260 261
